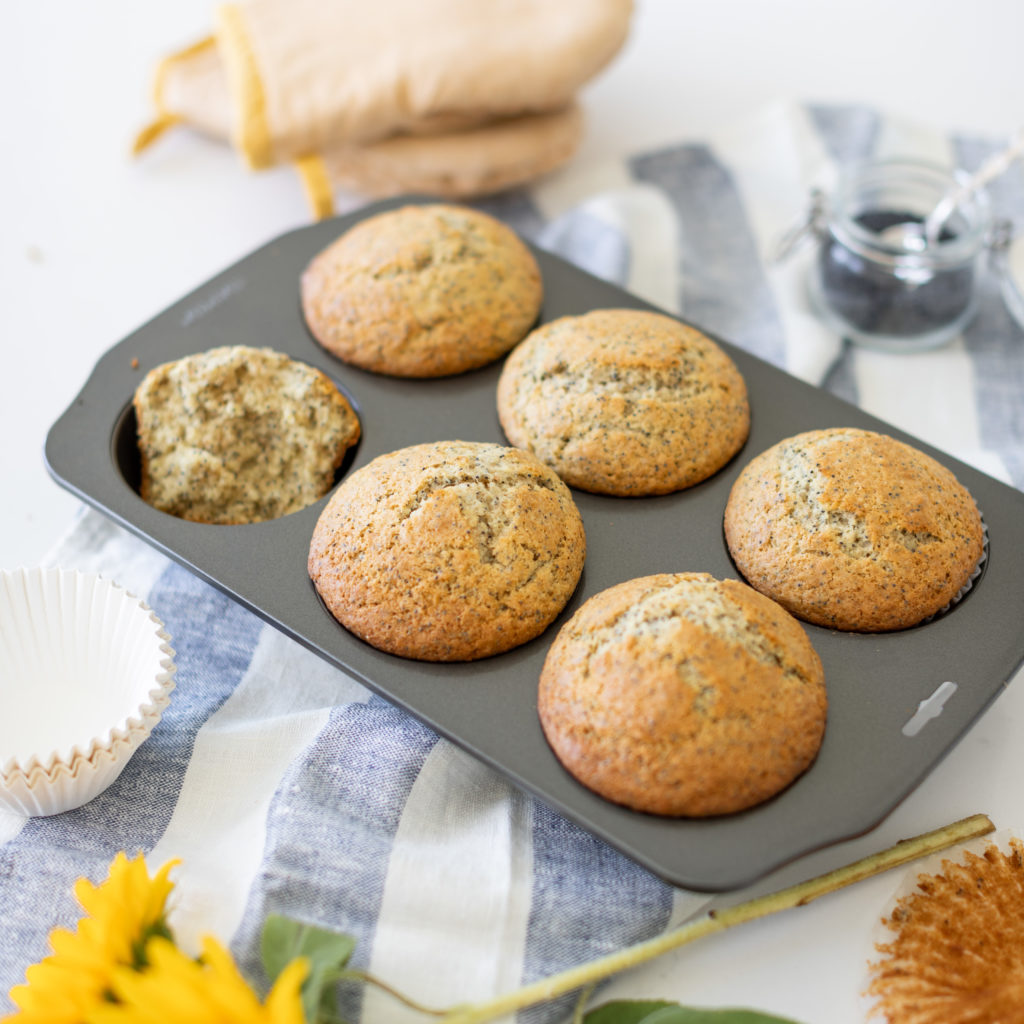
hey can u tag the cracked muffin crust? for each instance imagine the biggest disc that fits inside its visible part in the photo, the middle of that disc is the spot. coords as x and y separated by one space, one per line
624 402
682 695
448 551
422 291
239 435
853 530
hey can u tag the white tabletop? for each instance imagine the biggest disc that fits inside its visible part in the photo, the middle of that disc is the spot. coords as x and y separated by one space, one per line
95 244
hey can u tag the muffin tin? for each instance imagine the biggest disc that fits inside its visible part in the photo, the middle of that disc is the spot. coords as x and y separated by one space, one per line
875 751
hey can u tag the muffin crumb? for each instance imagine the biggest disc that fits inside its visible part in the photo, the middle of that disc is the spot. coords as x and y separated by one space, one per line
239 435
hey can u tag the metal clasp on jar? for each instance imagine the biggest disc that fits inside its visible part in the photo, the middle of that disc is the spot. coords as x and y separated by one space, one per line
811 225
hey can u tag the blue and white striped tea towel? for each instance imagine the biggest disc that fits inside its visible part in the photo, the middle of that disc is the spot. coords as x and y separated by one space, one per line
285 786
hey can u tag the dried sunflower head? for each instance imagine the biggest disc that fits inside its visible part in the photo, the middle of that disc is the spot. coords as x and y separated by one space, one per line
958 952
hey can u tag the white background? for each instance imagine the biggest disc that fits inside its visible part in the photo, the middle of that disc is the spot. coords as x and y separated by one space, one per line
94 244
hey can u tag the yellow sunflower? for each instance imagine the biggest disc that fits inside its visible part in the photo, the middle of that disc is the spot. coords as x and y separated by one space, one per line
176 989
124 913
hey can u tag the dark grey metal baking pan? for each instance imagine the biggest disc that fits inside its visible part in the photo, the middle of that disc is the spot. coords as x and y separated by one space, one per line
868 763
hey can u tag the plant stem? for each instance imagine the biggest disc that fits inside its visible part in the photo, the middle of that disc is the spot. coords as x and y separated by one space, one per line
716 921
354 974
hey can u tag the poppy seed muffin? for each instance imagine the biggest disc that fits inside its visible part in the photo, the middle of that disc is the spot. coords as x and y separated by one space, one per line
422 291
624 402
683 695
853 530
448 551
239 435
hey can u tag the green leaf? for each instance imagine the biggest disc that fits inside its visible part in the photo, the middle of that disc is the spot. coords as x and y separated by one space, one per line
631 1011
283 940
656 1012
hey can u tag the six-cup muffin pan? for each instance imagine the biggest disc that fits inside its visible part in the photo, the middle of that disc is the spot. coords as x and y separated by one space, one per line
877 747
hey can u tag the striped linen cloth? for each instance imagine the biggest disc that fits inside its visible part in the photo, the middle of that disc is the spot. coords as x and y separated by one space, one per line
284 786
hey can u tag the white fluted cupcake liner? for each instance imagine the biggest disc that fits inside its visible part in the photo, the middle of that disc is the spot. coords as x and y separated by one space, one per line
86 670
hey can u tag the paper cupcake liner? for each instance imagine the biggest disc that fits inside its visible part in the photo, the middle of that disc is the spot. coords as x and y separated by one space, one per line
86 670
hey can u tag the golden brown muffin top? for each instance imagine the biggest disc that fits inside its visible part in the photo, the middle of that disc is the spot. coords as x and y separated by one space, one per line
624 401
679 694
422 291
852 529
448 551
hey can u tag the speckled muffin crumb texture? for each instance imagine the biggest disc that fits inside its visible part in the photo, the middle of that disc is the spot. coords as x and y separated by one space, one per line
422 291
239 435
682 695
853 530
448 551
624 402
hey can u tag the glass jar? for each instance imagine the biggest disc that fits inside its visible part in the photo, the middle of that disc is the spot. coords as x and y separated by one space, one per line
874 278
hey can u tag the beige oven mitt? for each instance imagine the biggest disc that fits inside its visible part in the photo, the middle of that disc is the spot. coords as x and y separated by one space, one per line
459 97
458 165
